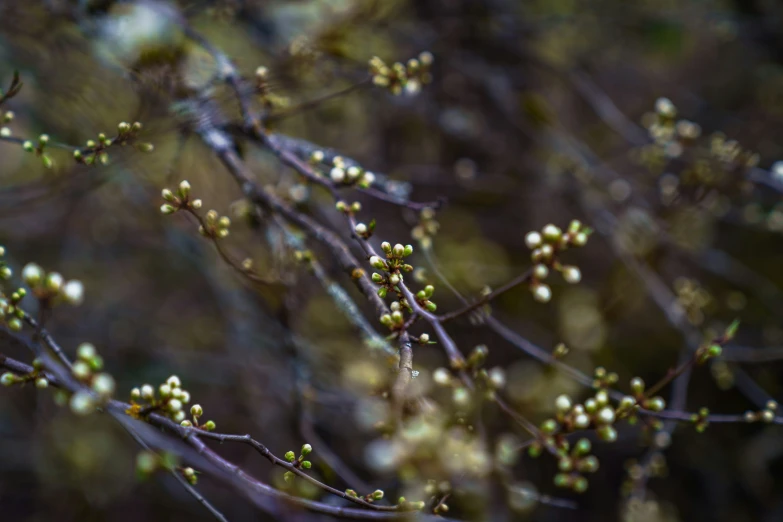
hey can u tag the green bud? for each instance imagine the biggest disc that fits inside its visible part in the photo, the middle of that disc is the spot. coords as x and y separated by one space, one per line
290 456
408 250
582 447
209 426
306 464
549 426
588 464
306 449
7 379
607 433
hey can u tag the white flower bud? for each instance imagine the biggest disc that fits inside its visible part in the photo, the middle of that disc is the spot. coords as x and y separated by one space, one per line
563 403
540 271
551 233
103 384
533 240
81 370
174 381
572 274
82 403
175 405
337 174
606 415
497 377
147 392
86 351
196 410
32 274
665 107
441 376
542 293
54 282
581 421
361 229
73 292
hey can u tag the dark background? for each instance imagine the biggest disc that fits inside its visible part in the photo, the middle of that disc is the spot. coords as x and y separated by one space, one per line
533 116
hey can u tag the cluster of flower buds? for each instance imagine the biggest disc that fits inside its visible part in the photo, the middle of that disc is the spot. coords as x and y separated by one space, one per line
668 132
603 379
395 320
547 246
51 287
639 398
573 464
393 266
343 174
699 419
179 200
10 312
216 226
39 149
87 370
7 117
94 151
766 415
399 77
297 462
170 400
37 375
426 228
347 209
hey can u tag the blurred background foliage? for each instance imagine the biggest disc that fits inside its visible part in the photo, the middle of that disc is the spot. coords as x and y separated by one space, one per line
536 114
